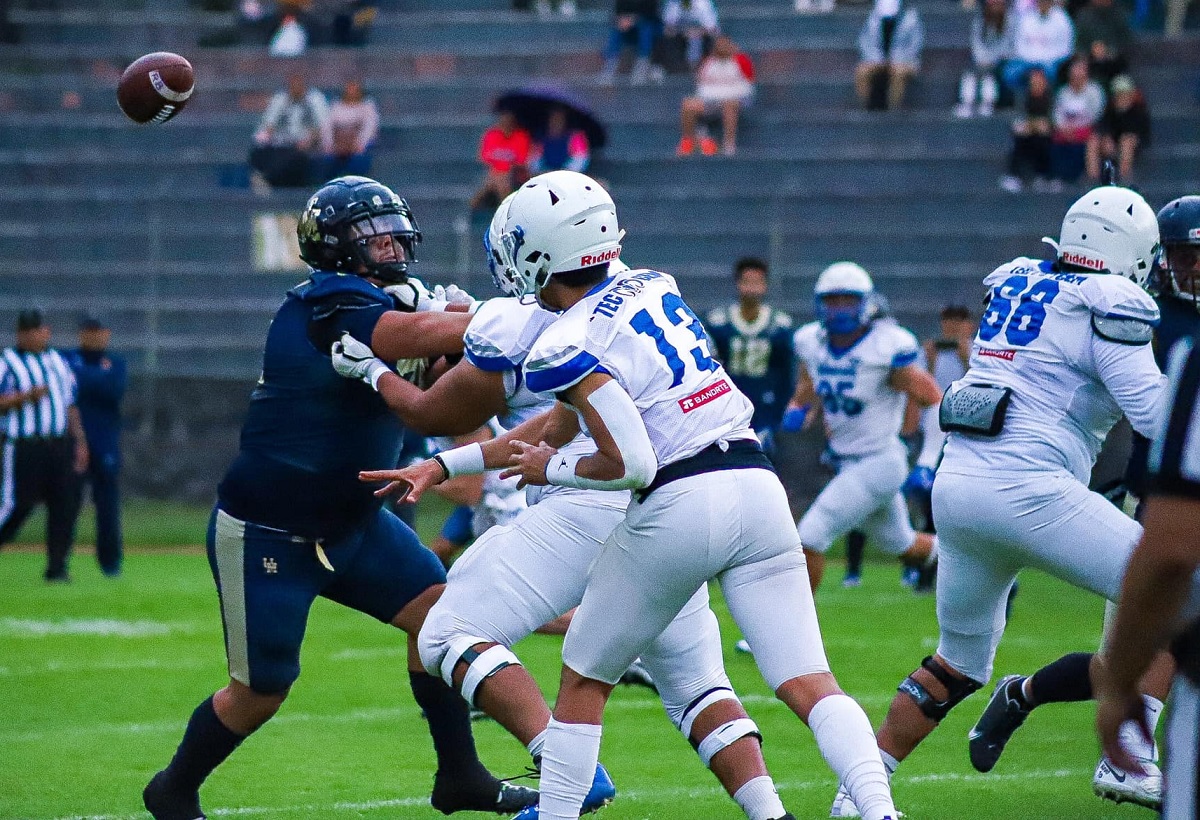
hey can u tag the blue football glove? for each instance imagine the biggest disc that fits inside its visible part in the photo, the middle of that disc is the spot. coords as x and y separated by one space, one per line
793 419
920 480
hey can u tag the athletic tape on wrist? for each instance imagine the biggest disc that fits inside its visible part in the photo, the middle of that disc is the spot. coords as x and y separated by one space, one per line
561 470
376 373
465 460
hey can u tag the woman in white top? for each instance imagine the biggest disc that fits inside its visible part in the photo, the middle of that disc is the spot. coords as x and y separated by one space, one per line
724 84
353 127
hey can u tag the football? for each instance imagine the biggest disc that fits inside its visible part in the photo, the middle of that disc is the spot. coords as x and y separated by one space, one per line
155 88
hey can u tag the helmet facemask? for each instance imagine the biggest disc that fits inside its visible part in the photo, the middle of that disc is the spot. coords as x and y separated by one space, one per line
381 261
842 318
1181 263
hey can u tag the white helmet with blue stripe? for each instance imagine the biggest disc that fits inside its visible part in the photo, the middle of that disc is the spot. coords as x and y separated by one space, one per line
842 279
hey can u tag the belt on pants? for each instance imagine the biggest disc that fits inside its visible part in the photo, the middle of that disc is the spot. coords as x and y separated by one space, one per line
738 455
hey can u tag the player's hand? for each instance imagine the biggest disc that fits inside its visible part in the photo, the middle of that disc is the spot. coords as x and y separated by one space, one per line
408 483
36 393
452 295
410 295
1115 706
354 360
920 480
529 463
793 419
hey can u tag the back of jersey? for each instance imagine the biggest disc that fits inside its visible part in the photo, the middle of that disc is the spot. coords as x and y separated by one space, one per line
637 328
1042 335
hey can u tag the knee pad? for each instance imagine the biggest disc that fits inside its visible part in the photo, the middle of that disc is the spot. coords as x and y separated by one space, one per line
688 715
726 735
957 690
480 665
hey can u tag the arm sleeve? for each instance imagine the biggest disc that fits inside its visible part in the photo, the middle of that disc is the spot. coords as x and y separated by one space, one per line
1174 462
932 439
1133 379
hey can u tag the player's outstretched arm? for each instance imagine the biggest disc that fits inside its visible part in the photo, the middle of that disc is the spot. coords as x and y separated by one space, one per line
459 402
624 457
418 335
917 383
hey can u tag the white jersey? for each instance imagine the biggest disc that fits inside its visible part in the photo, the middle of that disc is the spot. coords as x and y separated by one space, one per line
863 413
1074 348
636 327
499 338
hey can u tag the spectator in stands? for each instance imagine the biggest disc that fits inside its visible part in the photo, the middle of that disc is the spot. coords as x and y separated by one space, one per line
1122 131
353 129
991 45
1103 33
1077 109
889 46
560 147
1044 38
294 130
353 21
694 20
1031 136
545 8
724 85
639 19
504 151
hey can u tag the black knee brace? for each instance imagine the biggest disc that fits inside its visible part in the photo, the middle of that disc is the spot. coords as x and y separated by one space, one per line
957 690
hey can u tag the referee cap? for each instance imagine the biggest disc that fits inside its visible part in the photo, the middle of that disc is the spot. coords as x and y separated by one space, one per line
30 319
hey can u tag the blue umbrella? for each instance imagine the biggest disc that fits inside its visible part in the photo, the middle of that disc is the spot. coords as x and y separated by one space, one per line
532 106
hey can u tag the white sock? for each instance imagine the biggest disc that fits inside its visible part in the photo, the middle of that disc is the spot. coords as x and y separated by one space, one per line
1131 735
890 763
847 743
759 800
933 551
568 767
535 746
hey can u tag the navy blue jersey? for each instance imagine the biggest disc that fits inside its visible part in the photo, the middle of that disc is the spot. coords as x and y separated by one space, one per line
758 357
101 379
308 431
1179 320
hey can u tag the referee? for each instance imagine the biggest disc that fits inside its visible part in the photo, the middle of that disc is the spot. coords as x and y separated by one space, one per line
44 450
1157 585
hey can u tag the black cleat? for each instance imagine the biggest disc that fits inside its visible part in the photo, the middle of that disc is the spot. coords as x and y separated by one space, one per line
996 725
165 804
481 792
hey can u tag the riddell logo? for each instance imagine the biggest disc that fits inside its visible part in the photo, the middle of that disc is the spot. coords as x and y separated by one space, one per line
587 259
1089 262
697 400
1194 234
1007 355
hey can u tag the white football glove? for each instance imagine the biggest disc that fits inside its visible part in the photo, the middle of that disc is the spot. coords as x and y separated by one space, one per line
453 295
411 295
354 360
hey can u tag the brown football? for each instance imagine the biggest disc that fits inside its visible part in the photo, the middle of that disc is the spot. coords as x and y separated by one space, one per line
156 87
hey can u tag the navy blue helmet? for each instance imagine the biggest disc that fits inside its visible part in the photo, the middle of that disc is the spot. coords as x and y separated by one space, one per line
341 218
1179 229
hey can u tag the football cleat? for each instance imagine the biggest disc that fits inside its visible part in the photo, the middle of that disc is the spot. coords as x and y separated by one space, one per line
995 726
743 646
482 792
1120 786
164 803
852 580
843 805
600 795
638 675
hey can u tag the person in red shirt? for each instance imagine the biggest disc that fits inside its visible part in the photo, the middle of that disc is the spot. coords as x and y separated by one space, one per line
505 150
724 86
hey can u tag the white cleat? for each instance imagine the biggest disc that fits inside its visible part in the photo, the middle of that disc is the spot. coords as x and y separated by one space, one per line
1120 786
843 805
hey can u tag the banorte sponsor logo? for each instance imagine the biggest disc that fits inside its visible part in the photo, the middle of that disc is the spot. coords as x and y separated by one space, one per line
1084 261
697 400
589 259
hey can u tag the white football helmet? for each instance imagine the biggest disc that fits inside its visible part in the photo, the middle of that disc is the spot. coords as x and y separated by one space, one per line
844 278
556 222
493 240
1110 229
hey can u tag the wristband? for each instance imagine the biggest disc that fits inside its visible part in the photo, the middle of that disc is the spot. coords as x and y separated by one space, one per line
561 471
376 373
465 460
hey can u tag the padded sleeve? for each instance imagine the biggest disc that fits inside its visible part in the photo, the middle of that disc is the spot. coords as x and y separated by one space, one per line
484 342
560 358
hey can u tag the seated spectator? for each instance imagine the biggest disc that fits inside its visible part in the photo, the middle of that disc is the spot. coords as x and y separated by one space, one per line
1031 137
545 8
1077 109
1044 38
1122 131
694 20
294 130
724 85
353 129
560 148
1103 33
504 150
352 22
889 46
991 45
637 18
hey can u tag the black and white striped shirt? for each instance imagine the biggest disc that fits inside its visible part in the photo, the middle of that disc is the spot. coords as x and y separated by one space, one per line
21 371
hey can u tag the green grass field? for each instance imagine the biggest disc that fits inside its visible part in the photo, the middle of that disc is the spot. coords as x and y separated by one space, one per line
98 677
